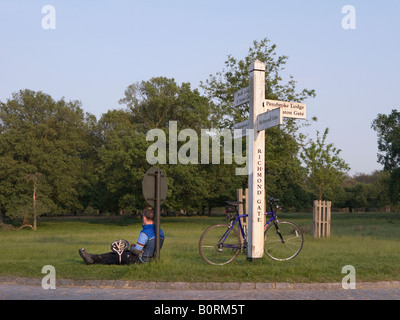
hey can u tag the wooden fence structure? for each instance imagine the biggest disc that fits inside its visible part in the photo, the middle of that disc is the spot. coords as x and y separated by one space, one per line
242 196
321 219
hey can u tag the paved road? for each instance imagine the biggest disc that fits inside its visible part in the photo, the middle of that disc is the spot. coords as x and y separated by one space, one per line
24 291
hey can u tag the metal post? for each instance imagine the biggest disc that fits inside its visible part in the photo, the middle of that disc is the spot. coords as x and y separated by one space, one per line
157 217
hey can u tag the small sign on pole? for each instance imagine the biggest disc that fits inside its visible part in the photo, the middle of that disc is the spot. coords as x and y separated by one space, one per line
295 110
269 119
241 96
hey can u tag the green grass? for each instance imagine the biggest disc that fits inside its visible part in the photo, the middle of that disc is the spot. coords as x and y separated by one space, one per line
369 242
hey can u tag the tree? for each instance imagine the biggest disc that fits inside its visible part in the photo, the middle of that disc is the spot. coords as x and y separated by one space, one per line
41 137
34 179
324 166
284 175
365 191
388 130
394 186
155 102
222 86
122 162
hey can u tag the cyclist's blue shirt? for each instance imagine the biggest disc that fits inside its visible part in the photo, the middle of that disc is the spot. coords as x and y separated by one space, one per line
146 239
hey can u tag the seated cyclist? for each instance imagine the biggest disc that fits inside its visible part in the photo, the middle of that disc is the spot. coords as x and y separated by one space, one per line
143 251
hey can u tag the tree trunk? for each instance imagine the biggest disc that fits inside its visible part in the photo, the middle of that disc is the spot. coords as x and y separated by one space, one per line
34 205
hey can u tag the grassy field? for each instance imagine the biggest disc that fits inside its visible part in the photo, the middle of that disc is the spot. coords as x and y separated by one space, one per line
369 242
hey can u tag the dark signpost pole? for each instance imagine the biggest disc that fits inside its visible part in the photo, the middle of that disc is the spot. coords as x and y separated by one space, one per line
158 213
155 191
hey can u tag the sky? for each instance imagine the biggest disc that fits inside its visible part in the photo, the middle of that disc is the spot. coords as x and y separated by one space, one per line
96 49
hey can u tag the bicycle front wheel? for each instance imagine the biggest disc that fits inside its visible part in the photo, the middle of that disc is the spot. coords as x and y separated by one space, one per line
219 244
283 240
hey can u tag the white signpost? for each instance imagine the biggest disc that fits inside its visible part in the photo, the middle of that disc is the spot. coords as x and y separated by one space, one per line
264 114
256 184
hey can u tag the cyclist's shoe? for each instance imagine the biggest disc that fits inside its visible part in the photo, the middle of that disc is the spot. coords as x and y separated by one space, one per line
87 257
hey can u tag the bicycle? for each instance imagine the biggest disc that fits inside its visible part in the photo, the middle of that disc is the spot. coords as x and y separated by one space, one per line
221 243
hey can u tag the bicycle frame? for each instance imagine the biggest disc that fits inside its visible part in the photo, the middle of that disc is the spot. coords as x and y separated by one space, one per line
241 230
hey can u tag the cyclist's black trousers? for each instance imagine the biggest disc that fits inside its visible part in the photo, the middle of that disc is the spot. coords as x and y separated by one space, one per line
113 258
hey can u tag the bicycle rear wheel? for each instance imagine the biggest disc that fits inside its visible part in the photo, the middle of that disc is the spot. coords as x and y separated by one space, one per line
219 244
283 240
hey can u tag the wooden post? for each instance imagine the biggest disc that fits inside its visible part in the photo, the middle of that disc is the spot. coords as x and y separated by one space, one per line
243 208
315 219
321 219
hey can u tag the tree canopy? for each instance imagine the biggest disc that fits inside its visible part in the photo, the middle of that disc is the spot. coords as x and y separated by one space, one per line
388 130
326 170
42 137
